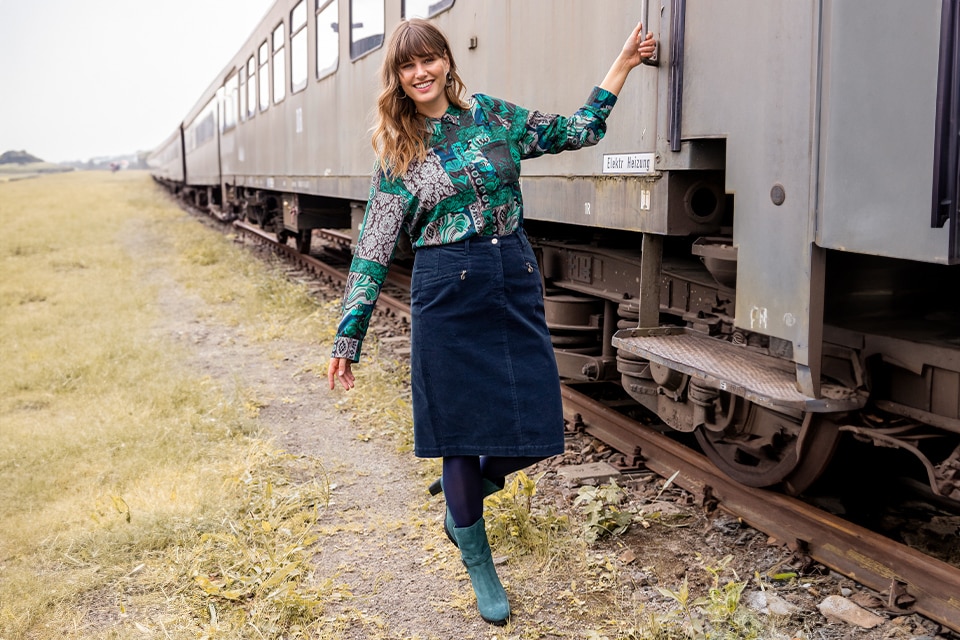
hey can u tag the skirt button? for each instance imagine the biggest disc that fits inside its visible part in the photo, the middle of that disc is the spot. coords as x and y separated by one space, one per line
494 241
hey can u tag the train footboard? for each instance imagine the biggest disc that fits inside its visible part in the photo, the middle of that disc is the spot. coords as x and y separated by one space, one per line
727 367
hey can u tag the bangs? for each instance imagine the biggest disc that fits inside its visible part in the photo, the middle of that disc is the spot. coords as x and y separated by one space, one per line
413 42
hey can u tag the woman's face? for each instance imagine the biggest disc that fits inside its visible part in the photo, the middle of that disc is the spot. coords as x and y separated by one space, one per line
423 79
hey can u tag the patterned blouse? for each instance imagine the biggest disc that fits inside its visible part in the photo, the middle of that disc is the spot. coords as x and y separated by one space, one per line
468 185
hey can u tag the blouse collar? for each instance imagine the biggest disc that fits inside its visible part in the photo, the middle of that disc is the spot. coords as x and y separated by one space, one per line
451 116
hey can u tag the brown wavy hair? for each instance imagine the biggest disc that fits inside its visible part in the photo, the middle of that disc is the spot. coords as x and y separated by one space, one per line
400 133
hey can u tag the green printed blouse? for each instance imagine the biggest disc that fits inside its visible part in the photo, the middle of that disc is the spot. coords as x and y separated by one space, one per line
468 185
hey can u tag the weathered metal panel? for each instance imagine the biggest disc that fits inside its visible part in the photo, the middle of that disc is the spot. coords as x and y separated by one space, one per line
750 77
571 43
655 204
878 129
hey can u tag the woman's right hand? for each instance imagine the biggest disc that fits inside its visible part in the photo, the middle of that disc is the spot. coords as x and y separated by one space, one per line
635 50
340 370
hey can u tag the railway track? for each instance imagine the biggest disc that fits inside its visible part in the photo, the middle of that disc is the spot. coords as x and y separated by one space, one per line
391 303
912 581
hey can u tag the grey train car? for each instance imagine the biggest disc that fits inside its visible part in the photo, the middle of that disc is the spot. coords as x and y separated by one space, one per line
166 161
763 249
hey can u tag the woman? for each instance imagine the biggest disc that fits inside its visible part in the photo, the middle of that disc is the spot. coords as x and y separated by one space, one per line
486 393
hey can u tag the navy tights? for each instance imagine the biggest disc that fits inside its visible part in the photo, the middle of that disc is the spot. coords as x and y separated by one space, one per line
463 482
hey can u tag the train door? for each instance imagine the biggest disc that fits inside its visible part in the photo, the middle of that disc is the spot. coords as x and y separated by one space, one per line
888 143
946 170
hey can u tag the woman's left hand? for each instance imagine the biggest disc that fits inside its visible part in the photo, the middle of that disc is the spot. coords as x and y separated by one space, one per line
339 369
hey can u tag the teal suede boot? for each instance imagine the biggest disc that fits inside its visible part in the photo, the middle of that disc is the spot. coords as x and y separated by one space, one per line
489 488
477 558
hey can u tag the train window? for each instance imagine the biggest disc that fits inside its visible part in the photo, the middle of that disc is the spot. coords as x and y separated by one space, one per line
264 76
279 65
366 26
424 8
328 37
251 87
204 126
228 117
298 47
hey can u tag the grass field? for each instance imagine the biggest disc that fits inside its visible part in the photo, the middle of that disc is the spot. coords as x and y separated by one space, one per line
11 172
120 470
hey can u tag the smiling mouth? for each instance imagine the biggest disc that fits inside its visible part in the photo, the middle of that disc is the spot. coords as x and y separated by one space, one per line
423 85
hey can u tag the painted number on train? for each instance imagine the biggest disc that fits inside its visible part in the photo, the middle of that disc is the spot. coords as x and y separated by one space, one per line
758 318
631 163
645 200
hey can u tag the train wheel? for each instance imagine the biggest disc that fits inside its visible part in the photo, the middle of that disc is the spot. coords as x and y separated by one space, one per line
816 451
303 240
764 448
261 217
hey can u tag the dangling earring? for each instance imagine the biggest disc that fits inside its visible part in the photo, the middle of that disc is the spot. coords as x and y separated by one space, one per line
401 94
449 79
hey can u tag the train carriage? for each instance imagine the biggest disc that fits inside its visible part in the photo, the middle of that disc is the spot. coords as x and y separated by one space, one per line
762 247
165 162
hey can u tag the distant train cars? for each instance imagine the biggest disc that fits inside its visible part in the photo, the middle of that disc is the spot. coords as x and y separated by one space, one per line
166 161
763 250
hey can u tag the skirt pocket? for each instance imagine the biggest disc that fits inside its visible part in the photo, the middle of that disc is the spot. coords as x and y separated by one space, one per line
438 265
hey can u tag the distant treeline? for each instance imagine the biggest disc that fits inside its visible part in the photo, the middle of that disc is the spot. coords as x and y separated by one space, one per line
18 157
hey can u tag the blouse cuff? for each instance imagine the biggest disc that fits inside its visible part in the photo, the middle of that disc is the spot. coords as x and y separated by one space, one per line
601 99
344 347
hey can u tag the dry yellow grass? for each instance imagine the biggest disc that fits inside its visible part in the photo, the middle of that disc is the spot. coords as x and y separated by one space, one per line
120 471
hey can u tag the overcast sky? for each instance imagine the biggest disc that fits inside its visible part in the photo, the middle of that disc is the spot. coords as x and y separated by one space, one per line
91 78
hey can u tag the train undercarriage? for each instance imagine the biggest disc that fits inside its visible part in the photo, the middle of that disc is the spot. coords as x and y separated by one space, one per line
887 379
290 216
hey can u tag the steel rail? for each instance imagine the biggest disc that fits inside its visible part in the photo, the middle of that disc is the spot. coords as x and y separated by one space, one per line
393 305
866 557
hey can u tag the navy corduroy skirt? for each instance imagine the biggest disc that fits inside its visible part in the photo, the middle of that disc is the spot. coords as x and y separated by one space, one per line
483 372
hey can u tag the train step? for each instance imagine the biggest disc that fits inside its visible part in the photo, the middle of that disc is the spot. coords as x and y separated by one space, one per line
732 368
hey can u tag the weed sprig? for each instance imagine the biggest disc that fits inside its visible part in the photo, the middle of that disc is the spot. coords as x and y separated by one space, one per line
515 528
254 570
601 509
